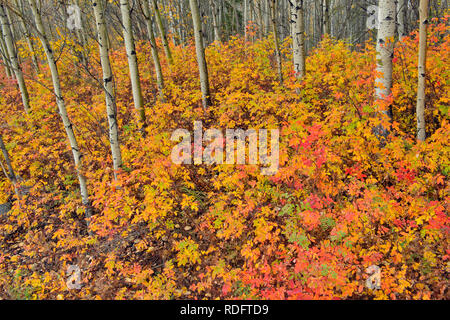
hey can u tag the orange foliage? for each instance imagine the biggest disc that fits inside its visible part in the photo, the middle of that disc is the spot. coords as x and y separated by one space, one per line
339 203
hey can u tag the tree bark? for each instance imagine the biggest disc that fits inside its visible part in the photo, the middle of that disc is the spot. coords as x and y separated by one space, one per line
102 36
327 18
12 53
162 31
298 37
201 60
385 51
62 107
27 34
5 56
10 174
246 18
273 10
401 18
215 17
154 49
132 61
420 107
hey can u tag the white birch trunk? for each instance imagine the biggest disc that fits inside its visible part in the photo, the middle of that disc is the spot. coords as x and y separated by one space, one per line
154 49
201 60
132 61
385 51
401 16
10 47
10 174
327 17
420 108
273 10
5 56
215 16
298 37
102 38
61 106
81 34
28 38
246 18
162 30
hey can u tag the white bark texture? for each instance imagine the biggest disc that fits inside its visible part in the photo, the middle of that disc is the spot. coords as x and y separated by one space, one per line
12 54
401 18
61 105
154 49
102 36
27 35
422 71
385 49
215 17
132 60
162 30
273 14
5 56
298 37
201 60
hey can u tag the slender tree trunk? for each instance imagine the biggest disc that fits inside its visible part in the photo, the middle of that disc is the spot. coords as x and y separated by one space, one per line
420 108
401 18
246 18
298 37
155 55
180 21
27 35
111 112
61 106
132 61
327 18
385 51
82 37
10 174
5 56
162 31
12 53
201 60
273 7
215 17
267 17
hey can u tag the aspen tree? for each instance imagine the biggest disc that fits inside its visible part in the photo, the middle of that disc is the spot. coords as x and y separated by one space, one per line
12 54
154 49
327 17
298 37
102 38
401 16
132 61
27 35
385 51
422 71
10 173
5 56
215 16
162 31
81 35
273 10
61 105
246 18
201 60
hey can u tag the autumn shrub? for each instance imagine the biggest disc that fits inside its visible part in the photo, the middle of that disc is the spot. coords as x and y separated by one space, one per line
341 201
